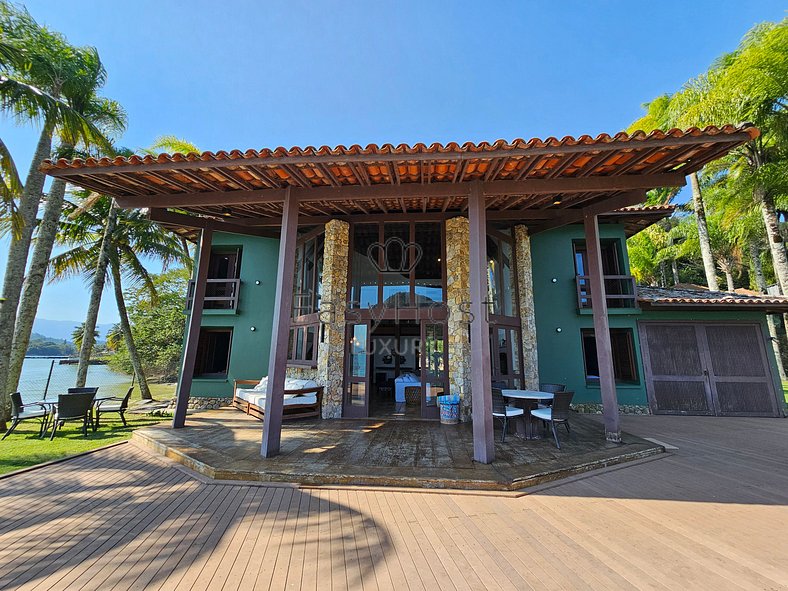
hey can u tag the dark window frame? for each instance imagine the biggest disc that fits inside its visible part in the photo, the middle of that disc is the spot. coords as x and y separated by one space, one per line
201 360
630 356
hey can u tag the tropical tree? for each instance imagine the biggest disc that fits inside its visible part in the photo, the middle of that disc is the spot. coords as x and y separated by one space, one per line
134 239
79 332
80 93
660 115
36 66
167 143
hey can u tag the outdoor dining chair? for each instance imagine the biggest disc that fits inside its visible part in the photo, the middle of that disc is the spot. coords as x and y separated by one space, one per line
556 414
112 404
552 388
73 407
21 412
502 412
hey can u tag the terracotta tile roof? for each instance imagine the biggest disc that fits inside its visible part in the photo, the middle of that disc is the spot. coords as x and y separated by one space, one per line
686 296
585 159
638 217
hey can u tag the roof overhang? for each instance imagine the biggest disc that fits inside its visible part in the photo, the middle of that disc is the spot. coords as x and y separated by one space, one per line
543 183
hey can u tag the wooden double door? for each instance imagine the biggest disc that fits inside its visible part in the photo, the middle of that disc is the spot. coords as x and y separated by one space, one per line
709 368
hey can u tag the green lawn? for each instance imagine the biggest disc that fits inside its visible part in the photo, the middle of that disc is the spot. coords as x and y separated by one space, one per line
23 448
785 391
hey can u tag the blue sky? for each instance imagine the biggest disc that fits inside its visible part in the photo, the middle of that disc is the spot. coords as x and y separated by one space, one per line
243 75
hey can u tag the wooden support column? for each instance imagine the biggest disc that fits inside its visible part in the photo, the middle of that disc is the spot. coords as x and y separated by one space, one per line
481 374
193 329
283 303
604 353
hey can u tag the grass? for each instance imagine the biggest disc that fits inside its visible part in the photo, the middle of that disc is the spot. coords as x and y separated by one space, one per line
23 448
785 391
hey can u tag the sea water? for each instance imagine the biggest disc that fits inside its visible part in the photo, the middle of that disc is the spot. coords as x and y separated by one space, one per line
35 371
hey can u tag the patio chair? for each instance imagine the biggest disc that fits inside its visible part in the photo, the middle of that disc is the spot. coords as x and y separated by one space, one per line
21 412
73 407
552 388
502 412
112 404
557 414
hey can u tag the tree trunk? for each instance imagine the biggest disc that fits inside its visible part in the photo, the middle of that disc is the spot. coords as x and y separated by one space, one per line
703 234
775 240
674 267
771 319
34 282
17 262
663 276
125 326
96 290
729 279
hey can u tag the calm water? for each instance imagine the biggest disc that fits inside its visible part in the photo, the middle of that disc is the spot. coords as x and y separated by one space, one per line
35 372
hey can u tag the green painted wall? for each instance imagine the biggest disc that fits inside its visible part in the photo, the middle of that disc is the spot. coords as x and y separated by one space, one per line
249 349
561 353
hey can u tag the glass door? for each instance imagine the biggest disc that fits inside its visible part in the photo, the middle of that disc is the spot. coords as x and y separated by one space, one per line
356 403
434 363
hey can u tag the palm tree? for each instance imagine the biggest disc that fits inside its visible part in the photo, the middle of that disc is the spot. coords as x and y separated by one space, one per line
84 231
36 66
80 93
660 115
79 332
168 143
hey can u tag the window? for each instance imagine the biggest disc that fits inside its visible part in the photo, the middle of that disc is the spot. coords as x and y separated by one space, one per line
213 352
619 289
611 261
223 283
501 281
308 279
623 348
397 263
302 344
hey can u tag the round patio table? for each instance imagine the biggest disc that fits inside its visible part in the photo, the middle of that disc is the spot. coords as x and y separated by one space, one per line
528 427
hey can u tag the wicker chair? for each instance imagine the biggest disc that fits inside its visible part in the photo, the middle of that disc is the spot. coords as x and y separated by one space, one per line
21 412
73 407
412 395
112 404
502 412
557 414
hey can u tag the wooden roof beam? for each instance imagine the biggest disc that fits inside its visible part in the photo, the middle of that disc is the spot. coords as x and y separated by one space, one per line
349 193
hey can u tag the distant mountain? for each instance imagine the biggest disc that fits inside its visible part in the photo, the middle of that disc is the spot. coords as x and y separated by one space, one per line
62 329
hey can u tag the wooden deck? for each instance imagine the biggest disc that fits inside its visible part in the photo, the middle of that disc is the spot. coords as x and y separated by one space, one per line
712 514
225 444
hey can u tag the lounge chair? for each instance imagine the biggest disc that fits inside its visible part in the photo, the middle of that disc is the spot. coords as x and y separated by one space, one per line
21 412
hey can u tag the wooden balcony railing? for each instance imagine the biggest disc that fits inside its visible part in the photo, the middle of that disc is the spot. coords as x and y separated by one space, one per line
220 294
620 291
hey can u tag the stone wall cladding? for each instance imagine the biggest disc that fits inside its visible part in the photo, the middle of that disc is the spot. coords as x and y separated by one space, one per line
595 408
331 349
302 372
525 288
458 293
204 403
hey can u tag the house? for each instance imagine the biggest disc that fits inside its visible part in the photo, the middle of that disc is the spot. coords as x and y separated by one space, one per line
442 269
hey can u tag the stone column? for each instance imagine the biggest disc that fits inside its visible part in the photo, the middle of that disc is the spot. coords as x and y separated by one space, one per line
331 349
458 296
525 289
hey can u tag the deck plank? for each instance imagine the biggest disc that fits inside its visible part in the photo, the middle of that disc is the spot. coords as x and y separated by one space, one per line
713 514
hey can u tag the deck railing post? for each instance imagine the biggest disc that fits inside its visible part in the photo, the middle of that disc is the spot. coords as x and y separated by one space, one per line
604 352
283 304
481 376
193 330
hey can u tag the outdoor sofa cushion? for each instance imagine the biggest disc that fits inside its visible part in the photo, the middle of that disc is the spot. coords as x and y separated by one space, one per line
290 384
258 399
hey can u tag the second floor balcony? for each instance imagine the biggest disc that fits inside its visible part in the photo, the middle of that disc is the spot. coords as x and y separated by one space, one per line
620 292
220 294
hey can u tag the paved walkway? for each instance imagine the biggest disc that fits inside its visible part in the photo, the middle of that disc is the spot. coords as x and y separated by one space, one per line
711 515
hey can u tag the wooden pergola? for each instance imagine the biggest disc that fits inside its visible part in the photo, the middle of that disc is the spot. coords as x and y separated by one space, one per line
543 184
